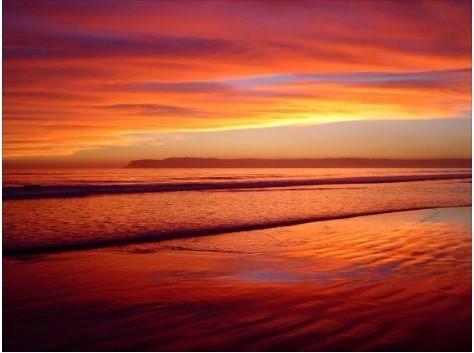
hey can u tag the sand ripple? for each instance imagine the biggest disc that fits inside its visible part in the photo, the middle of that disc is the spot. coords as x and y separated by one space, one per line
380 283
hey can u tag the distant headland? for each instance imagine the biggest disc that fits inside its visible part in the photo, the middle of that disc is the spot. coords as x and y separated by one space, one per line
191 162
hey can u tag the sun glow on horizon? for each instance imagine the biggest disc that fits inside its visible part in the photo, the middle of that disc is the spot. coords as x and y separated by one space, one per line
83 77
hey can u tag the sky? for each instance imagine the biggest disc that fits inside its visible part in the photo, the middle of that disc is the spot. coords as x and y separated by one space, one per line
105 82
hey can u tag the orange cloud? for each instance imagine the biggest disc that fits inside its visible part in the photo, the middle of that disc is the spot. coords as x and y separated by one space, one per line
85 74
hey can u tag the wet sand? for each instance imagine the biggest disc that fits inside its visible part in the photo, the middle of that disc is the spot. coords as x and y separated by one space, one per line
391 282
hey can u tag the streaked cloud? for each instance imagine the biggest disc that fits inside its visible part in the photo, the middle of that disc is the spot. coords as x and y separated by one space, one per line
83 75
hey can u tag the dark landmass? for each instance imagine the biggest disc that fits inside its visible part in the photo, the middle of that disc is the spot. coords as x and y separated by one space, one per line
189 162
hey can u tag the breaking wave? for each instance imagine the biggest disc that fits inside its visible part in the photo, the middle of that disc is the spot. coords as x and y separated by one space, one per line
81 190
92 243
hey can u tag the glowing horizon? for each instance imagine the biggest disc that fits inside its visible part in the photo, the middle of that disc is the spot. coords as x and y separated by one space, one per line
91 80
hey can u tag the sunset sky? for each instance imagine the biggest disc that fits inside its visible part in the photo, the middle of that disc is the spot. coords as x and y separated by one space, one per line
104 82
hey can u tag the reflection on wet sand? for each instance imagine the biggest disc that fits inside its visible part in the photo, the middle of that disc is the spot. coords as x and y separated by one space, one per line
398 281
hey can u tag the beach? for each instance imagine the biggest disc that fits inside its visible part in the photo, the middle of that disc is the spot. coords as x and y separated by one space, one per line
237 175
397 281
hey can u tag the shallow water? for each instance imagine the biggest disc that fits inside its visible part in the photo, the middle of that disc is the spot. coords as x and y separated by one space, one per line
55 223
392 282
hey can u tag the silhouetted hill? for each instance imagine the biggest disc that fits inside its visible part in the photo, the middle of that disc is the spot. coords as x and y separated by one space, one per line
189 162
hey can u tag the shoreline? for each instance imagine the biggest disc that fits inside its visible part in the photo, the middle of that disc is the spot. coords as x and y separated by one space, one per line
399 281
180 234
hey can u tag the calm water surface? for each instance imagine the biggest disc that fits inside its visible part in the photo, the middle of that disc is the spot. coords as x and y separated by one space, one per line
243 199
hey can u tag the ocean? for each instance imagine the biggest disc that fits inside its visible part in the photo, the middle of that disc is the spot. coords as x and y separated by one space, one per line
72 209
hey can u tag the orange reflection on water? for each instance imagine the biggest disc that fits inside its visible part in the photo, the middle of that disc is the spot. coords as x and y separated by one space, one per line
398 281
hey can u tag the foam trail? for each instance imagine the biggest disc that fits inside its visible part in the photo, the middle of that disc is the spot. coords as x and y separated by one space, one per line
81 190
189 233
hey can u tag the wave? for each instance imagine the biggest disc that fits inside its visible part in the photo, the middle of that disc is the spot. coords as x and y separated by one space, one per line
81 190
198 232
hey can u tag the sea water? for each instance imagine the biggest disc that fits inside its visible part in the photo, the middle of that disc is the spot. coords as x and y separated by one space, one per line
53 210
